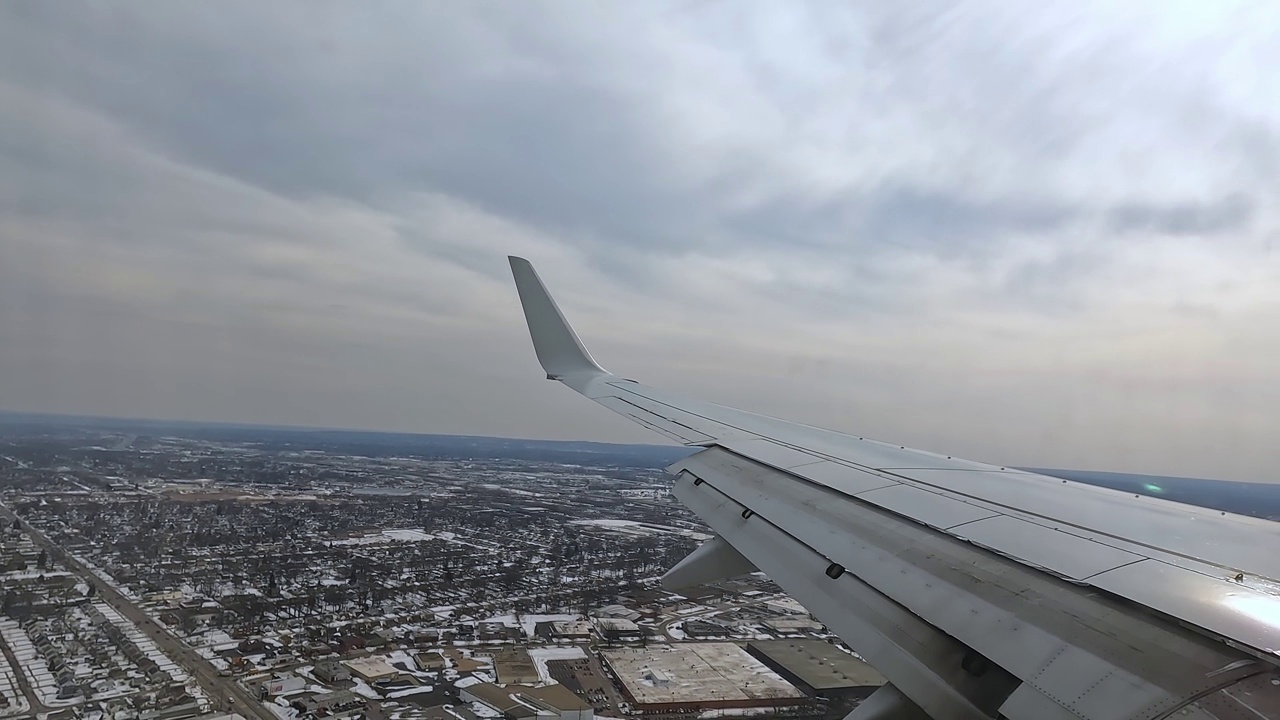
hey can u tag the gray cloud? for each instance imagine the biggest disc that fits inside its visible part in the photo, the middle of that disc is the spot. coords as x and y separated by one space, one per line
1230 214
958 225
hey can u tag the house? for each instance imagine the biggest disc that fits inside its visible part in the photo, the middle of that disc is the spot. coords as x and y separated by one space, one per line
431 661
314 649
322 704
281 684
187 709
488 631
378 637
164 596
350 643
252 646
331 671
424 637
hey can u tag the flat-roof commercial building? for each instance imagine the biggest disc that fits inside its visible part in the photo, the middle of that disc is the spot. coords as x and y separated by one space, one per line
515 667
500 699
817 667
688 676
371 669
559 701
572 629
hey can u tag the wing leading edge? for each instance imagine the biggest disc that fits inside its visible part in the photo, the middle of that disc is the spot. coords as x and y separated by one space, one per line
869 536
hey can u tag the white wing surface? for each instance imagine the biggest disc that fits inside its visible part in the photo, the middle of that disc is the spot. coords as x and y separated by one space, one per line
979 591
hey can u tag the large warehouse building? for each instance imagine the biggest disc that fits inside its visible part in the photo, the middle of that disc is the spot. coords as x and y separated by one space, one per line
697 676
817 667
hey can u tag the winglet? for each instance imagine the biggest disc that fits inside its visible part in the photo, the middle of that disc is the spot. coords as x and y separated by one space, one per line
557 345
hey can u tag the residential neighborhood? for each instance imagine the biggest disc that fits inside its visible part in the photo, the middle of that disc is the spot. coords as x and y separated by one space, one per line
185 575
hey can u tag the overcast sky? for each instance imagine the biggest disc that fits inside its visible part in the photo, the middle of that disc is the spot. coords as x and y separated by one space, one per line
1032 237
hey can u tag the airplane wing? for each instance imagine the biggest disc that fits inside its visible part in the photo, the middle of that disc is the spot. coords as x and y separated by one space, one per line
978 591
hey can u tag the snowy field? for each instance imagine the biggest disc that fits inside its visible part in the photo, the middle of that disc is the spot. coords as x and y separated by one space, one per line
528 622
386 536
639 529
395 535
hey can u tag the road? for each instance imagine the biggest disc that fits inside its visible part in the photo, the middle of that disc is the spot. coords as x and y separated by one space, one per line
224 692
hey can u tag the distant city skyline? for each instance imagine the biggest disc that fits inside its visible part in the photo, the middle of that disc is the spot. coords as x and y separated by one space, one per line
958 226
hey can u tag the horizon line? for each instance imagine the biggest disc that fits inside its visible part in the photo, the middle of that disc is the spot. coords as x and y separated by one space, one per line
5 413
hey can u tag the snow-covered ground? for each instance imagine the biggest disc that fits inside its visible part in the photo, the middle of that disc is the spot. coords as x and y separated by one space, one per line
392 535
607 522
632 527
212 638
529 622
32 574
362 688
542 654
282 709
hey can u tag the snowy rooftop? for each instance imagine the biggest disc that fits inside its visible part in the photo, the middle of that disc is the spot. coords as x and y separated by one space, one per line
696 672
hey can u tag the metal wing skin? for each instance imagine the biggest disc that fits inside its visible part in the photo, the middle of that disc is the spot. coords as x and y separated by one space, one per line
979 591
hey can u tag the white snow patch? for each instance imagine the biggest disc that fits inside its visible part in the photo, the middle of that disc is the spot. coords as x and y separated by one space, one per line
606 522
411 691
362 688
391 535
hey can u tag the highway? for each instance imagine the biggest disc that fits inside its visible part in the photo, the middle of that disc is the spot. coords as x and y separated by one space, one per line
225 693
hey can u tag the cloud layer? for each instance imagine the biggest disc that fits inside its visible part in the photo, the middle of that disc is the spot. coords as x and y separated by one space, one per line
1043 238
